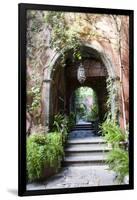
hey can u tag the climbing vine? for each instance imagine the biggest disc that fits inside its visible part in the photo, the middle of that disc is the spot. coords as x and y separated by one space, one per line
112 101
63 36
34 94
69 32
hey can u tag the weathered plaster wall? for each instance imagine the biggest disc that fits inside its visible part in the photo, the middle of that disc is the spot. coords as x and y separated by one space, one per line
106 34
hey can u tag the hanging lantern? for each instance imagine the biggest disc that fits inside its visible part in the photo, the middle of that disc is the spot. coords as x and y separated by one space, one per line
81 76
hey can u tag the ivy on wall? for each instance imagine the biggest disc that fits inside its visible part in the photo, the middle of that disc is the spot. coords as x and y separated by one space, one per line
113 99
63 38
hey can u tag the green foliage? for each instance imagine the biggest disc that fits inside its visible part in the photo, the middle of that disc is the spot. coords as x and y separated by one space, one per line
81 92
60 125
118 158
71 121
112 102
63 124
34 105
57 22
43 151
35 93
93 115
84 110
112 132
63 38
81 110
118 161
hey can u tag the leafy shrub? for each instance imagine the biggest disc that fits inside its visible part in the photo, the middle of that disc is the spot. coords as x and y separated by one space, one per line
43 151
112 132
63 124
118 161
71 121
60 123
94 111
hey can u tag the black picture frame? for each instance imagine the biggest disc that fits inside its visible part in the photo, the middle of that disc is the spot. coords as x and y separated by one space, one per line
22 98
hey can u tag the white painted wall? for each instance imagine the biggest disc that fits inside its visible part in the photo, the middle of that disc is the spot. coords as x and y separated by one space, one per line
9 95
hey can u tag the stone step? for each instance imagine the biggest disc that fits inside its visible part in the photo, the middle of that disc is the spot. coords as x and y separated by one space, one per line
87 125
87 146
84 160
79 127
92 140
84 124
82 134
86 153
87 149
83 129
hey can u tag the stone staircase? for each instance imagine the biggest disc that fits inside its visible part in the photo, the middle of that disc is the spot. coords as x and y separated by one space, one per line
85 148
88 126
84 162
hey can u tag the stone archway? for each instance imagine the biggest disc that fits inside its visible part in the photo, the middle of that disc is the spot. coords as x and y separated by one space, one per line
62 82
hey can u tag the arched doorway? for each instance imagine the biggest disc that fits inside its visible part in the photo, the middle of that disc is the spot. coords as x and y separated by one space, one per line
63 80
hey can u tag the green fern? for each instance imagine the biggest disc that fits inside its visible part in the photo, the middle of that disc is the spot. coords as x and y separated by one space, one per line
112 133
43 151
118 161
63 124
118 158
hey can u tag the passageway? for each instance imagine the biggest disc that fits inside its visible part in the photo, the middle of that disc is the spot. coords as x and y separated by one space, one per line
64 83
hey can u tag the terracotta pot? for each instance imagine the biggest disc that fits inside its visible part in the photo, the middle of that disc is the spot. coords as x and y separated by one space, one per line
47 172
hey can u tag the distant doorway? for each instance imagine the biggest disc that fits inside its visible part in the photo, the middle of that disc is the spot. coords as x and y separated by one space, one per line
84 103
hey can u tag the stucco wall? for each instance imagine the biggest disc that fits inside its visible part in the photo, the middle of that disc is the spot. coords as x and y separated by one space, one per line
107 34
